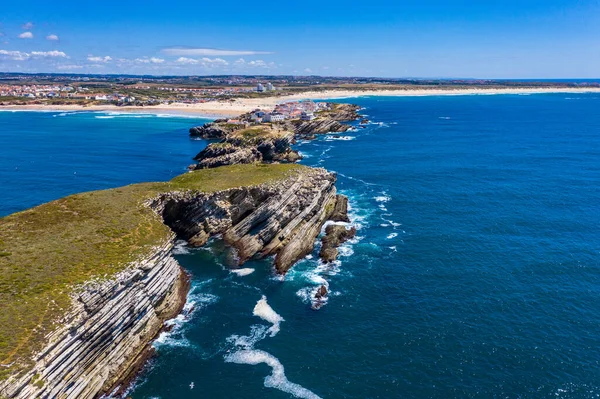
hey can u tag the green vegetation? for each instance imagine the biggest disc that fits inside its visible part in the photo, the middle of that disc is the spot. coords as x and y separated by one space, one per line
47 251
255 134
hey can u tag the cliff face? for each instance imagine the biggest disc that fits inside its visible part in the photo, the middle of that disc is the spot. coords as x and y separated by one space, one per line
269 146
281 219
104 337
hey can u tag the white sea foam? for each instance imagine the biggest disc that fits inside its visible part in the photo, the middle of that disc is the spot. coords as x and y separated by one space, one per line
392 235
258 332
346 250
181 248
383 197
277 379
242 272
266 312
174 337
444 117
341 138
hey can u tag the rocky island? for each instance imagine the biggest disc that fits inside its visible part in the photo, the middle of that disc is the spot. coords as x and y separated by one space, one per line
88 281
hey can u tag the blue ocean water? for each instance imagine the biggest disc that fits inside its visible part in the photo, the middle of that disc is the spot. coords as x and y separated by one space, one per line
47 155
475 273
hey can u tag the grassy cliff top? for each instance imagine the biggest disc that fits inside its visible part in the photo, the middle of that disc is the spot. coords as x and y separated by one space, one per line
46 251
260 132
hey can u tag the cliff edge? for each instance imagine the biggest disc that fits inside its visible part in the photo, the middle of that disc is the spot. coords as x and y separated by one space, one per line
87 281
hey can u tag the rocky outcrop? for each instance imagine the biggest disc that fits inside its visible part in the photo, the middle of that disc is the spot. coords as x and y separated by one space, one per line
335 235
340 211
218 129
104 337
235 150
319 126
280 219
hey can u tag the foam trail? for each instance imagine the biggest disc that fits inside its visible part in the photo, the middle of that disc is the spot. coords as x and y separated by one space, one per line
265 312
277 379
243 272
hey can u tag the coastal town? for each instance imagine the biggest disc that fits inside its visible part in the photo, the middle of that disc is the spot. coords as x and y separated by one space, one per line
138 94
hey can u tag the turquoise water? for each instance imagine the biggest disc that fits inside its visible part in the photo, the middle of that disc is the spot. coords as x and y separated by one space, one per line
475 274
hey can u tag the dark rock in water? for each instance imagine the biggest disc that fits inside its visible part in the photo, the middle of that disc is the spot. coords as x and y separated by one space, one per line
364 121
320 298
321 292
336 136
335 235
340 211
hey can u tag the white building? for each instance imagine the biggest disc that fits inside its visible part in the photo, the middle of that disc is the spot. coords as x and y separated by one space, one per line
274 117
270 87
260 88
307 116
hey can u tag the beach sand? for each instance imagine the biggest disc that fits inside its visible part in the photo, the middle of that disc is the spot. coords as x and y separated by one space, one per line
218 109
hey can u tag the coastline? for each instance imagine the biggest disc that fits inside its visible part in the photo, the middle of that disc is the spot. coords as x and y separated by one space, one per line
224 109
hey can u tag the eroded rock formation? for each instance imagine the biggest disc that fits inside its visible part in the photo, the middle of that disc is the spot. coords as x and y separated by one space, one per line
104 338
281 219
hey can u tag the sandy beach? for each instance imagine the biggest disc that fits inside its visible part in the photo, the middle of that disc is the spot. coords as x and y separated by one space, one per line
217 109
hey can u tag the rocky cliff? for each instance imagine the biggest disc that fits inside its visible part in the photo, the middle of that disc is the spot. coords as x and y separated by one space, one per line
104 337
266 142
103 334
248 146
281 219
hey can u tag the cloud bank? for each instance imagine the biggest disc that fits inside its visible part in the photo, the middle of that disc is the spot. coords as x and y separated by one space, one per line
208 52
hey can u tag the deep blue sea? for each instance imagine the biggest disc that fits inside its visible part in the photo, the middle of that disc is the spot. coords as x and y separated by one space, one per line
475 273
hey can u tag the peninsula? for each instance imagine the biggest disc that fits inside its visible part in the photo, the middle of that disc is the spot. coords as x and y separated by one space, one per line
88 281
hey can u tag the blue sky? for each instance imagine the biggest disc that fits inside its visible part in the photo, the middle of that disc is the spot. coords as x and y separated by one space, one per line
416 38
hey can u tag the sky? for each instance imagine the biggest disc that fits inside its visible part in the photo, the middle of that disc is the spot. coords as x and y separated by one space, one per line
487 39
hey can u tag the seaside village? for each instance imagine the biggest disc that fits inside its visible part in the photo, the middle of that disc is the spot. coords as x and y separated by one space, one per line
303 110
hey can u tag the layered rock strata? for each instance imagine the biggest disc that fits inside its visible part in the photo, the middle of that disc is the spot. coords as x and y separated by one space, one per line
281 219
236 150
105 336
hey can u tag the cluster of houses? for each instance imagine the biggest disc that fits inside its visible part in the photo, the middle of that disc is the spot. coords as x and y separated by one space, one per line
303 110
36 91
53 91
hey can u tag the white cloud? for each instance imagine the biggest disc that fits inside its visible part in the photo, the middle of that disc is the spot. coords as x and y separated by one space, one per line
52 37
46 54
151 60
27 26
22 56
255 63
205 62
308 70
104 59
26 35
13 55
208 52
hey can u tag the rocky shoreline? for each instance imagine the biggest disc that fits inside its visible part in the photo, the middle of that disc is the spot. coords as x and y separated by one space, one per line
245 141
104 338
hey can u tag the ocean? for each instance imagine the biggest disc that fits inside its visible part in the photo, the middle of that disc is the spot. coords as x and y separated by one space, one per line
475 272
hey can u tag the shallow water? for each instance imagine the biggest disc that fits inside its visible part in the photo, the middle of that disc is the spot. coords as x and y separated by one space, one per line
475 273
